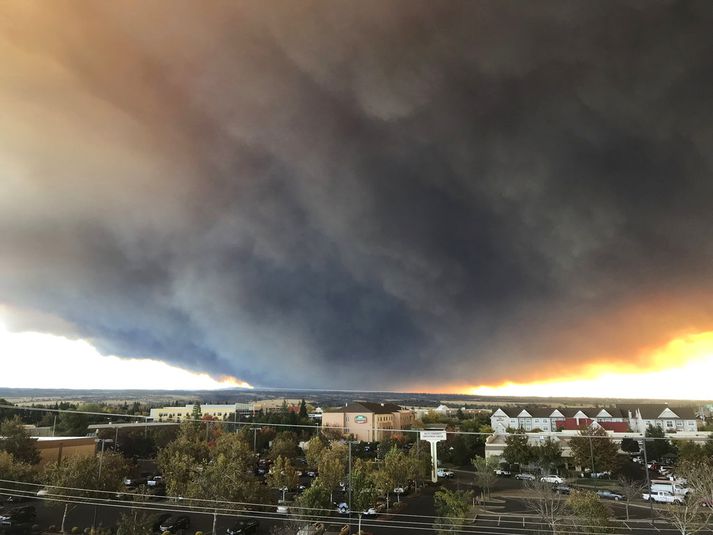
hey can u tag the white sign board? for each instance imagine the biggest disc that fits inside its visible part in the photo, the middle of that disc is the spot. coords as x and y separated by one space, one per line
433 435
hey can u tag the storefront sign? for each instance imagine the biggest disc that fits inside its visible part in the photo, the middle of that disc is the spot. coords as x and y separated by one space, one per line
360 419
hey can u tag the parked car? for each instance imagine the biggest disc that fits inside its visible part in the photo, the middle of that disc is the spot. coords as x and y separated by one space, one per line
663 497
155 481
525 476
610 495
158 520
343 508
134 481
552 479
601 475
502 473
312 473
399 490
175 522
562 489
442 472
18 516
371 512
282 507
241 527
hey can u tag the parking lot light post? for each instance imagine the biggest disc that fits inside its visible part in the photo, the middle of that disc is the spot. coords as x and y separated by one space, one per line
349 478
99 476
648 479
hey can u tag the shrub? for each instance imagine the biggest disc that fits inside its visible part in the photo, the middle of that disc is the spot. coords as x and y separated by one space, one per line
199 533
76 531
52 528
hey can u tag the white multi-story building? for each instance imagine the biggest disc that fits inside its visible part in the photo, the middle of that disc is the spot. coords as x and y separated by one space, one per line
619 418
219 412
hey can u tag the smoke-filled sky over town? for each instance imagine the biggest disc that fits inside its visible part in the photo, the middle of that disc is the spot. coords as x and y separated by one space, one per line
411 195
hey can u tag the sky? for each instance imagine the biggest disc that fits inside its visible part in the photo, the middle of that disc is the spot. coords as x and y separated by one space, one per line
486 197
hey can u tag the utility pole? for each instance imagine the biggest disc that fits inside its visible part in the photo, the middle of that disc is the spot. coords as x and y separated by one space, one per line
54 424
101 461
349 484
648 479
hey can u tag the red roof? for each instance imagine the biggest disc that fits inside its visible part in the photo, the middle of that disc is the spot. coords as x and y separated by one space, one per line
573 424
617 427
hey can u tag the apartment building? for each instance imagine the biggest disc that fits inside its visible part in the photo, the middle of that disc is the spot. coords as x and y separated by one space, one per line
367 421
618 418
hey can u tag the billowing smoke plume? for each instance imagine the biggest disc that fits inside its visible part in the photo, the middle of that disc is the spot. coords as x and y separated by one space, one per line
361 194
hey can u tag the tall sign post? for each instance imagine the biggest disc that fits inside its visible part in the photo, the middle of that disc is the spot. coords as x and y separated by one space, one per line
433 437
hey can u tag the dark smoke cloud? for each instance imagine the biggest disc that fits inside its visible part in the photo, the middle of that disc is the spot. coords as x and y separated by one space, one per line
360 194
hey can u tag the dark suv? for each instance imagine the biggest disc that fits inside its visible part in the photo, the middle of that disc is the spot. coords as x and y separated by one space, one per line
18 516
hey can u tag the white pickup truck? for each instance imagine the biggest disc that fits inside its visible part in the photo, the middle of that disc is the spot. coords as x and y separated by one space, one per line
663 497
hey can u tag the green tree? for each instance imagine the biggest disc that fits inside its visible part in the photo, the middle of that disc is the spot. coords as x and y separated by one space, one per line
17 471
658 445
689 451
517 450
283 475
72 424
15 439
226 475
593 445
303 410
629 445
180 459
591 513
393 473
315 447
284 445
332 467
452 511
315 497
363 489
81 476
548 455
197 412
419 464
485 476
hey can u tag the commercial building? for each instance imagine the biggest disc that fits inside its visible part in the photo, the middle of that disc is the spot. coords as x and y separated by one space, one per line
636 417
367 421
54 449
218 412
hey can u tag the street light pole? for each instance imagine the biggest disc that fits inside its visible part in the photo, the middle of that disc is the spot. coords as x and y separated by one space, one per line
648 479
349 480
99 477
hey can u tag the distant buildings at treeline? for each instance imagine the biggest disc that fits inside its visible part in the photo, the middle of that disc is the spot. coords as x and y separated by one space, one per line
229 411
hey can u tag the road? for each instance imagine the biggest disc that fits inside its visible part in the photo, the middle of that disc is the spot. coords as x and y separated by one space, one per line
505 512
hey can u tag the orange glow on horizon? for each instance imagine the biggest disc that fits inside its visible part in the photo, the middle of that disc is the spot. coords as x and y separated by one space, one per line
681 369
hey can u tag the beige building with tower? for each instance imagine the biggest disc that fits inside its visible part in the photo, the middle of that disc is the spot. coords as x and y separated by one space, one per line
366 421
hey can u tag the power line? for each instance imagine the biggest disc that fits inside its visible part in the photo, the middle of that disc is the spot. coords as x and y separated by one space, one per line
210 510
493 530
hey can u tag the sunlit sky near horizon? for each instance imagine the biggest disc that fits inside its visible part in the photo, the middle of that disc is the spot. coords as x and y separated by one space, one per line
37 360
